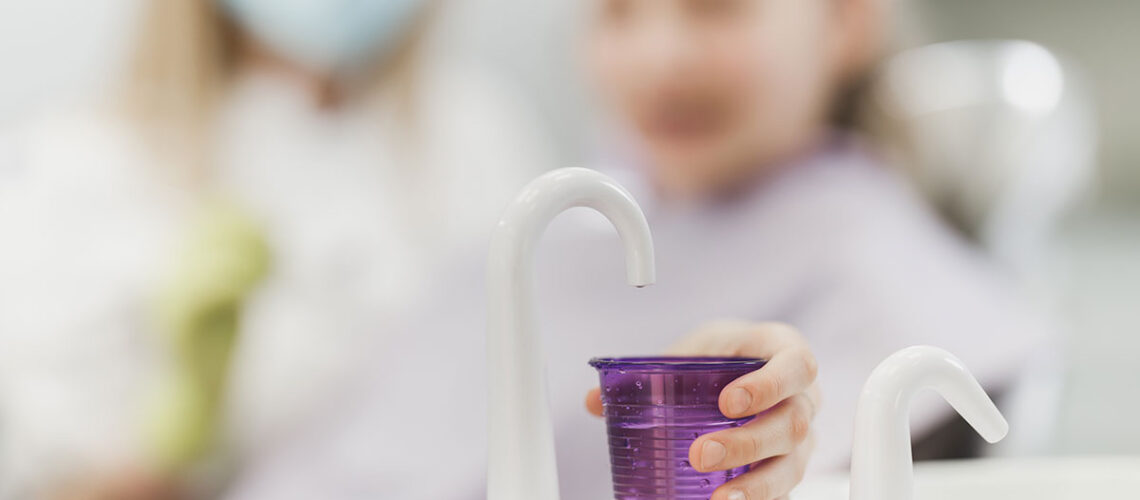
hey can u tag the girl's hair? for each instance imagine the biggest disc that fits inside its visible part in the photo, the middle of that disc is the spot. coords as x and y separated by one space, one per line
849 109
890 27
186 55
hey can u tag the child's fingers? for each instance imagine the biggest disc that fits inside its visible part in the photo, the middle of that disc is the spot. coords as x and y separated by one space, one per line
594 401
788 372
772 434
770 480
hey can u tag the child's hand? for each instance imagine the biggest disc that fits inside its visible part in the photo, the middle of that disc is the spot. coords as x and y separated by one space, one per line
780 442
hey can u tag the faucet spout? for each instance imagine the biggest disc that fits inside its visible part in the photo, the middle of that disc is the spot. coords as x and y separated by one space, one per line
881 465
521 464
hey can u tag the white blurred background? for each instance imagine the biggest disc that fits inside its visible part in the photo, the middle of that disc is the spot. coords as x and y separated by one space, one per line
56 50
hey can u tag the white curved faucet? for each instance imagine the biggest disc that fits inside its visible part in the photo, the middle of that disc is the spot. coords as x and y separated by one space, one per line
521 462
881 465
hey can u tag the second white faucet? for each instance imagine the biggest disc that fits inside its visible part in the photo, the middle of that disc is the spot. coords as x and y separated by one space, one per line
881 465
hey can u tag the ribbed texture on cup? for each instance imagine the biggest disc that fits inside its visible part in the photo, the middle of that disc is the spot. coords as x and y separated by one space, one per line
649 456
652 417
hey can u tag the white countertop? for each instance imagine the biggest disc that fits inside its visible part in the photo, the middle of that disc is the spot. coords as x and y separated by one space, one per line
1076 478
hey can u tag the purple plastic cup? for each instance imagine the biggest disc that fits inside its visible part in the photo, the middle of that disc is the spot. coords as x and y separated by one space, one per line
655 407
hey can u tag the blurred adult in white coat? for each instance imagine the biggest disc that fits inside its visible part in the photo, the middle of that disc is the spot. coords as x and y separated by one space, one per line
367 161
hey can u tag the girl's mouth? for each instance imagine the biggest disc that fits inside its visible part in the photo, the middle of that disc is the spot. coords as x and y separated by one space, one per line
684 121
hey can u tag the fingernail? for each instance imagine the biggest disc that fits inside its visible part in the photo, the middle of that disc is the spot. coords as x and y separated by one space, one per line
739 401
737 495
712 452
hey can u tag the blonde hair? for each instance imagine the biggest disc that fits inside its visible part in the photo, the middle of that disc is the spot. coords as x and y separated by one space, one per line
186 55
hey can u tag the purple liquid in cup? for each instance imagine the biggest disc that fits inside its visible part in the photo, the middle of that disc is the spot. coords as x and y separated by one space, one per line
655 407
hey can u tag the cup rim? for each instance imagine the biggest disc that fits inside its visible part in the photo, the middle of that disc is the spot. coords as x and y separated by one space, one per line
675 362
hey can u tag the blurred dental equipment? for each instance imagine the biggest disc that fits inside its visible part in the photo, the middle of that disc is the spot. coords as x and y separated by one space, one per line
999 134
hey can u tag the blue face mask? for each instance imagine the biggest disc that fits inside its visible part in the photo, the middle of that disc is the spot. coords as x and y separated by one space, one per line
325 35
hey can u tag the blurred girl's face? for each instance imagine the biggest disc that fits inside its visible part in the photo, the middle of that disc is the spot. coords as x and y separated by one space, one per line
714 90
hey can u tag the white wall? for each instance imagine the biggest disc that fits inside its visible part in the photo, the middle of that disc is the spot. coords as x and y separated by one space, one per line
532 43
51 49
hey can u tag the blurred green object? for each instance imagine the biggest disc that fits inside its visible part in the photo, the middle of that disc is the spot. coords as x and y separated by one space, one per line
199 309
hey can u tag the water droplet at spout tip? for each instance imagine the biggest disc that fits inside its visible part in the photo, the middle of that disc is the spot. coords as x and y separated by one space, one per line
640 282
